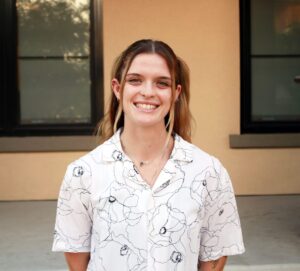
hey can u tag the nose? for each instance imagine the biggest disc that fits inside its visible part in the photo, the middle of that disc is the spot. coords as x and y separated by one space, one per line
147 89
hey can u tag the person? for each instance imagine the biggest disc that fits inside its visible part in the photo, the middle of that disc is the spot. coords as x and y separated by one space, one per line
147 198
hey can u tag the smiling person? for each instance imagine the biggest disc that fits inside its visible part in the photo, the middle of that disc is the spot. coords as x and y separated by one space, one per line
146 198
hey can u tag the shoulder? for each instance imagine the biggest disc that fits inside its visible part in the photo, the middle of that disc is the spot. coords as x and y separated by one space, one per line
101 155
198 157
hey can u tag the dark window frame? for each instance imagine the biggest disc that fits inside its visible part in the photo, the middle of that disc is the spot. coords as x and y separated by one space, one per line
9 94
247 125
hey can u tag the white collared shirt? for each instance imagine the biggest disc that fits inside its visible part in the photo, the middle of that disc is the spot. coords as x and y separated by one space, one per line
107 209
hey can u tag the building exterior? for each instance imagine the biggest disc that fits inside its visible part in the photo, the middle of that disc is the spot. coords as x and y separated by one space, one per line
206 34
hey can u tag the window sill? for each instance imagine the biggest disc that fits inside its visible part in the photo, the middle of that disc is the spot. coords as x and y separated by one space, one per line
264 141
47 143
87 143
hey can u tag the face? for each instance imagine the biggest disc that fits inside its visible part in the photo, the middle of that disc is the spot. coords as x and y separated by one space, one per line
147 93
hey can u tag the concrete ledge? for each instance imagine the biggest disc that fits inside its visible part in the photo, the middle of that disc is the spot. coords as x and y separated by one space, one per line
87 143
47 143
264 141
273 267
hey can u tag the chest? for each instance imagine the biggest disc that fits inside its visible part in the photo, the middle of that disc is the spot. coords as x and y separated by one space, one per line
157 226
122 197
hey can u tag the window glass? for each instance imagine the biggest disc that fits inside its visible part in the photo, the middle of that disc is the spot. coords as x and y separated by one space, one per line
275 60
54 91
275 27
275 93
53 61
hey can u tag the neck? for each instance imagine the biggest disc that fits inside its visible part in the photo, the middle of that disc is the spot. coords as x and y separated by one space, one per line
144 143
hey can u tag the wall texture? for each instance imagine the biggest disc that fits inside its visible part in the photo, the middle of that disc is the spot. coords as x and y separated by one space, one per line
206 35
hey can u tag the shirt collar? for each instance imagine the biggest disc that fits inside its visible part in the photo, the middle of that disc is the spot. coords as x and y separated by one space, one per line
182 151
112 149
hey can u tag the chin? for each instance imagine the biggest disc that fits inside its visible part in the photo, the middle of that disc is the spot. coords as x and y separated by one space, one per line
149 123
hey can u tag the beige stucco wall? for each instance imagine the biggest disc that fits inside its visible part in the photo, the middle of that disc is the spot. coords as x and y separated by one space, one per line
205 34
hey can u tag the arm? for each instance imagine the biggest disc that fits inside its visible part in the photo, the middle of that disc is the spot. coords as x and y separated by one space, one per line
216 265
77 261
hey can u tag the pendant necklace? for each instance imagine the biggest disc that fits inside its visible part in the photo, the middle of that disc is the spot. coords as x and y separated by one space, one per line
148 162
144 163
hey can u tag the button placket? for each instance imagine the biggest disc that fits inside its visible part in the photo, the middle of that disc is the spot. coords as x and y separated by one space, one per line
150 205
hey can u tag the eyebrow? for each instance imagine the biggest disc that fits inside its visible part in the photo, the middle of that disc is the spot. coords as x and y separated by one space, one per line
159 77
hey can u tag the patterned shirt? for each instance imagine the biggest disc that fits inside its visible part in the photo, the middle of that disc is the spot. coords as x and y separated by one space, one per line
107 209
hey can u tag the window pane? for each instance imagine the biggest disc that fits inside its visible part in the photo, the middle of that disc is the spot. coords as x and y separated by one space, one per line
275 92
55 91
54 55
275 27
53 27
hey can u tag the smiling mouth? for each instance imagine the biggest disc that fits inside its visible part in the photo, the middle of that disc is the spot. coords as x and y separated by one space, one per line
146 106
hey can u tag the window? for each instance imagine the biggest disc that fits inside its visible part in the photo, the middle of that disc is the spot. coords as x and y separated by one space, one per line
51 56
270 66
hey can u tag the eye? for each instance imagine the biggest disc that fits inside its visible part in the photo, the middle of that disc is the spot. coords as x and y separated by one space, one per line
163 84
134 81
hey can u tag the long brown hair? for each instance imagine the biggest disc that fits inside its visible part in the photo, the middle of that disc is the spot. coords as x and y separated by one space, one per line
179 117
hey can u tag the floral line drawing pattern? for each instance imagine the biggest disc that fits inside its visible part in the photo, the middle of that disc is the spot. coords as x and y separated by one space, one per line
107 209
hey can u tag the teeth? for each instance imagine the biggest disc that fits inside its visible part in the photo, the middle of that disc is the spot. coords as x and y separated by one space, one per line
146 106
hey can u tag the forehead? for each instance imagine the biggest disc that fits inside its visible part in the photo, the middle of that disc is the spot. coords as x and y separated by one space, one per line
149 64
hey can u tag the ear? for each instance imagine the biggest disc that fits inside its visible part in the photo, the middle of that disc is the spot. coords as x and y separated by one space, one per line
115 86
177 92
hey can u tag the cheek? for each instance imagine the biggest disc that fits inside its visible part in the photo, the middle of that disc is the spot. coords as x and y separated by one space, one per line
126 96
167 98
129 93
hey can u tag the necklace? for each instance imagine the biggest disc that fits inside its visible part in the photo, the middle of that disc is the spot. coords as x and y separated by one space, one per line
148 162
143 163
149 169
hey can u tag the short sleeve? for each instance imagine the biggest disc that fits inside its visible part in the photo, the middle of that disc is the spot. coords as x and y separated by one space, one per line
220 234
73 218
